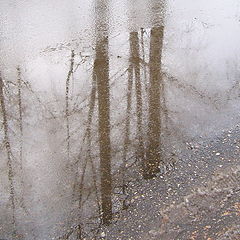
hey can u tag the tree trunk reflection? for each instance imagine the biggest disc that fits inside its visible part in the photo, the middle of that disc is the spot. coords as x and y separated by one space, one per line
135 59
9 155
153 153
102 75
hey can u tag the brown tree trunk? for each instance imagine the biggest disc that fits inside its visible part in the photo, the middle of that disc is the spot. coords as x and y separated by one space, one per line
153 154
135 59
144 61
102 73
19 82
20 112
89 135
127 129
103 91
9 154
70 73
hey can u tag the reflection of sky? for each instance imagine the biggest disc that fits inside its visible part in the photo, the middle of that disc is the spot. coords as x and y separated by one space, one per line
31 25
201 38
210 28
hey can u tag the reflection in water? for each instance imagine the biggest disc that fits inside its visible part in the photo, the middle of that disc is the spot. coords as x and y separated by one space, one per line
20 113
157 12
102 118
154 128
101 67
135 61
8 149
127 128
70 73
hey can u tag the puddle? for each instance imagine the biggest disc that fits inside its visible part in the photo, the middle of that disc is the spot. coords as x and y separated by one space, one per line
96 94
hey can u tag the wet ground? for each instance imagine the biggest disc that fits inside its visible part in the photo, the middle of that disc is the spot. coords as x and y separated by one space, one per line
199 199
95 94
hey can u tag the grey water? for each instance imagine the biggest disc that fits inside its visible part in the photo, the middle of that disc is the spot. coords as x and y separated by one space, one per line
97 93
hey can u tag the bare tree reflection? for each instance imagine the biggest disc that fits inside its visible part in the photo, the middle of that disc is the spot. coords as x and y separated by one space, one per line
19 83
9 155
103 91
153 154
70 73
135 59
127 126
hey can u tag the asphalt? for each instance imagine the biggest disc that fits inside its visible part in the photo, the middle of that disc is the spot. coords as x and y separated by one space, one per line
189 201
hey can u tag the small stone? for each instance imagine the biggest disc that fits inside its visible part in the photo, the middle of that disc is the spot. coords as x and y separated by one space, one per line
153 232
